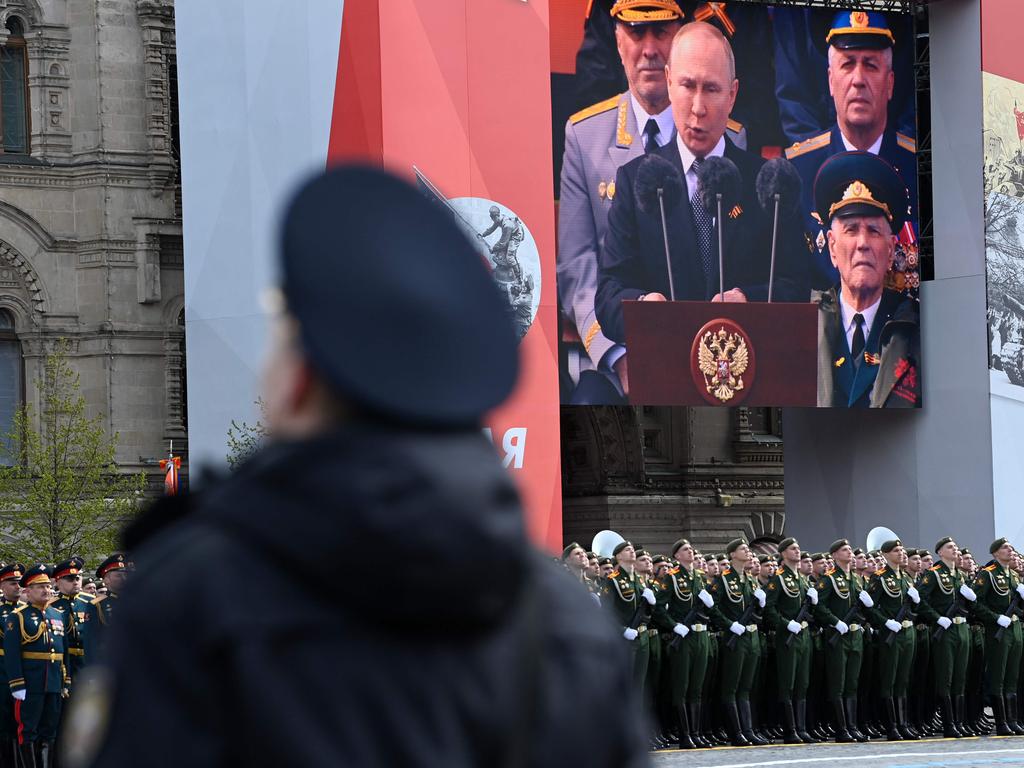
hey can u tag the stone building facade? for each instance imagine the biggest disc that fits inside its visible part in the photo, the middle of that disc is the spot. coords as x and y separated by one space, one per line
90 222
655 474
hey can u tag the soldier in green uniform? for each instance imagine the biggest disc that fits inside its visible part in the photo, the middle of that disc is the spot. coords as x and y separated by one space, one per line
10 578
627 599
841 600
788 610
683 603
894 597
737 598
945 596
922 704
645 578
999 592
113 572
37 668
73 605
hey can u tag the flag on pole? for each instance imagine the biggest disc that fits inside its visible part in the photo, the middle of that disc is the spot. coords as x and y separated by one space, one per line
171 466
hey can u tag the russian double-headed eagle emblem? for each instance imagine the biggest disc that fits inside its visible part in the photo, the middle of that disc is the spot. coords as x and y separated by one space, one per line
722 357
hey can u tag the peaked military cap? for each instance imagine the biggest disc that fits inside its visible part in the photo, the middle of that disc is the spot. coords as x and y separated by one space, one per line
37 574
396 307
12 571
112 563
860 184
72 567
997 544
860 29
642 553
568 550
787 543
889 546
735 544
837 545
805 555
621 546
966 551
636 12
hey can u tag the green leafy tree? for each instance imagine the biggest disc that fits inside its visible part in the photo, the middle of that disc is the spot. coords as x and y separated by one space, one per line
245 439
63 494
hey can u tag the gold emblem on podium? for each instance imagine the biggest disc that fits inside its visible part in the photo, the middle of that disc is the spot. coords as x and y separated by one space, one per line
721 357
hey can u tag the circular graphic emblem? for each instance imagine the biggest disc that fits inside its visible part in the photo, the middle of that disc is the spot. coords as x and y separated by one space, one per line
510 251
722 362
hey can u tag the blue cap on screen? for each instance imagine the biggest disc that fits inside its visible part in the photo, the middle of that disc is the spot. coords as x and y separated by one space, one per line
860 29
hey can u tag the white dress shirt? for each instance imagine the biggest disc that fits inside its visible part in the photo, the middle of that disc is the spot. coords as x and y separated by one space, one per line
688 157
874 149
850 326
666 126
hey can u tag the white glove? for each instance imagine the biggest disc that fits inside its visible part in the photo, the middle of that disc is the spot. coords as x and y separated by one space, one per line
968 593
649 596
813 594
842 627
681 629
794 627
944 622
1020 590
912 593
761 596
19 695
865 598
737 629
893 625
706 598
630 634
1003 621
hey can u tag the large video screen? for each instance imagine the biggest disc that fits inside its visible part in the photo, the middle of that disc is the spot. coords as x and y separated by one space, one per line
737 205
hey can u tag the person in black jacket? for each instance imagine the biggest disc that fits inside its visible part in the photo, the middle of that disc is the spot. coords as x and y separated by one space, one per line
376 448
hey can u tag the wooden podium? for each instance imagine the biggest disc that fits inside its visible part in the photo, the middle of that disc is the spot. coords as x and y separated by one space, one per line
722 354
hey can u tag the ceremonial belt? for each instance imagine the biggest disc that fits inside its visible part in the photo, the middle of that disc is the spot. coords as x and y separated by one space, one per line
76 651
652 632
39 656
855 627
698 628
1015 617
959 620
907 624
803 624
641 629
751 627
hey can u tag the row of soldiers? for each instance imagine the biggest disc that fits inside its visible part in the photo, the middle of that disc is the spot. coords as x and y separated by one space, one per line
50 629
852 645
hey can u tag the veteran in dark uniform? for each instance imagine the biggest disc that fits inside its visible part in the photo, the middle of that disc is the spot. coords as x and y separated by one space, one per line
114 573
788 610
894 598
946 597
74 606
842 603
999 592
861 80
10 587
869 340
37 668
738 600
684 602
598 140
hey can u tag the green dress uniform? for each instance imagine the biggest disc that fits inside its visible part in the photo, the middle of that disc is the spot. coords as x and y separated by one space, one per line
995 587
687 656
942 603
889 591
733 593
621 594
839 601
787 596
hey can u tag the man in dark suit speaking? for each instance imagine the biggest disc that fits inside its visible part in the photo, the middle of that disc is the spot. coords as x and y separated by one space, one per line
702 88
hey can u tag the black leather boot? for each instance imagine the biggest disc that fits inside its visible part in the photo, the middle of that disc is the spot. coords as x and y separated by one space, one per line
908 733
685 742
693 710
800 709
843 735
789 735
892 732
999 710
732 714
850 708
1011 714
949 730
958 717
747 724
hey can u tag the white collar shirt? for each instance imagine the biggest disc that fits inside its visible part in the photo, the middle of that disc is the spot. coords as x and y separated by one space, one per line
688 157
874 149
848 313
666 126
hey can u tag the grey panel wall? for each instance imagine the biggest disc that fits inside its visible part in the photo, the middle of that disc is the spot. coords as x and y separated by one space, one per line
924 474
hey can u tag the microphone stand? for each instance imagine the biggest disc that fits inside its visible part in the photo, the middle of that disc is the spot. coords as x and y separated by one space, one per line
775 238
721 276
664 233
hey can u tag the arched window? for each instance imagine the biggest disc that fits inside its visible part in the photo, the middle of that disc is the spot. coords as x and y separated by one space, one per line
12 382
14 111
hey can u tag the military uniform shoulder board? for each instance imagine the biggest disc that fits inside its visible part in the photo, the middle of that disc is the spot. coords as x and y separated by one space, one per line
612 575
727 571
880 572
674 571
935 568
20 608
595 109
990 567
829 572
734 125
906 142
780 572
803 147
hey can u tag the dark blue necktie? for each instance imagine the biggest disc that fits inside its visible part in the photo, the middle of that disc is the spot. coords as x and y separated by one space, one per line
705 224
857 351
651 131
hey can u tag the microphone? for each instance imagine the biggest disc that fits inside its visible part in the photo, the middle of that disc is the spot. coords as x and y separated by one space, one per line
718 189
779 187
659 185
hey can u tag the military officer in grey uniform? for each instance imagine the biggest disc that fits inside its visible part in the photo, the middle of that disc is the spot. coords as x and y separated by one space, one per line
598 140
